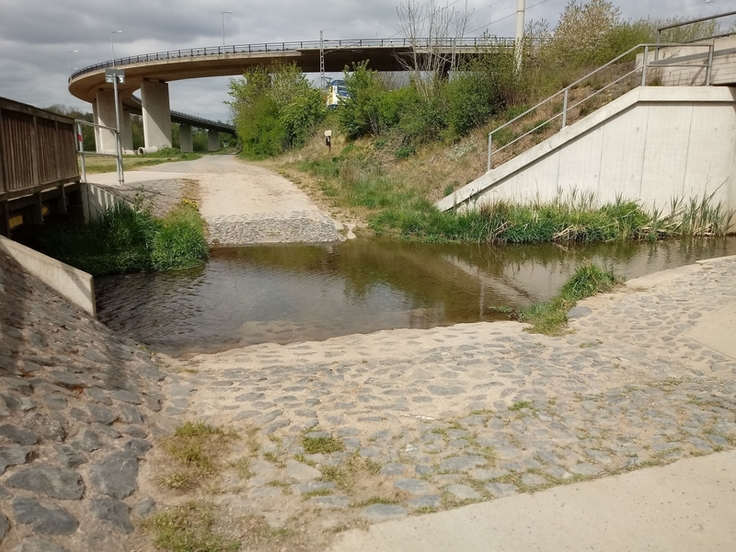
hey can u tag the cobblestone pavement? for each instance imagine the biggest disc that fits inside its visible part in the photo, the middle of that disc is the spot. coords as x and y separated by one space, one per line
365 428
267 228
78 414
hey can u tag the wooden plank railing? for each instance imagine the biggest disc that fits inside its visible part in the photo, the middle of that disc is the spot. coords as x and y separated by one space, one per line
37 149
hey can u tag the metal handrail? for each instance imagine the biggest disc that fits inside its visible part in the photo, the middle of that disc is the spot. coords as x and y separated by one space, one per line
117 155
566 91
263 47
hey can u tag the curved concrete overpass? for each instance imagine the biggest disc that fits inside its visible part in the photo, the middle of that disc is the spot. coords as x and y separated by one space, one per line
151 72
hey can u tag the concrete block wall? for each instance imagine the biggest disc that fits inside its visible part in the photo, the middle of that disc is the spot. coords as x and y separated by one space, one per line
97 201
73 284
651 145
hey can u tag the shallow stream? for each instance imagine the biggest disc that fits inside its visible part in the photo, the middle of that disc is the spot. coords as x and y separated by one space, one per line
283 294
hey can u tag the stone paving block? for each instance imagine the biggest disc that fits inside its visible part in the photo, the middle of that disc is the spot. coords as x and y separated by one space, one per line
382 512
45 518
462 463
333 502
427 501
314 486
412 486
585 468
500 490
50 481
462 492
301 472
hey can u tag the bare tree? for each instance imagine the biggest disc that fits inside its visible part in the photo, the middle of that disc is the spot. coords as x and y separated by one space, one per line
434 34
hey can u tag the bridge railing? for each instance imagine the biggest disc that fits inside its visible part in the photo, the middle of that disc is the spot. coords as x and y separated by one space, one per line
569 102
37 150
267 47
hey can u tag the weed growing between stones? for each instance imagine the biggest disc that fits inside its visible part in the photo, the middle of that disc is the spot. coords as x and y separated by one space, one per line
197 449
322 445
189 527
551 317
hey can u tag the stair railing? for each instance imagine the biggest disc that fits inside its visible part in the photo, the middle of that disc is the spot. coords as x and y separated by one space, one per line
643 67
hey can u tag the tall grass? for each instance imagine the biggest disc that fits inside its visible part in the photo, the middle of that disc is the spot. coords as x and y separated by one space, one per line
128 239
505 222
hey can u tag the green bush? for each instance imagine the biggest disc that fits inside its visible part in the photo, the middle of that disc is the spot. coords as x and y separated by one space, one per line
275 108
179 242
127 240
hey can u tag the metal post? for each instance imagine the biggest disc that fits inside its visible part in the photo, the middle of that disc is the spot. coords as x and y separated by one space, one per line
5 219
321 59
644 66
69 57
709 70
80 141
118 142
112 46
490 150
223 26
518 44
564 108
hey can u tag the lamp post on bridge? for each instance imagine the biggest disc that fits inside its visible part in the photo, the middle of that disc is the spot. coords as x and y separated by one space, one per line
223 26
112 46
69 57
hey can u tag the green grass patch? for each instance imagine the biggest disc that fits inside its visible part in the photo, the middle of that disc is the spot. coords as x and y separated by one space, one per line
322 445
551 317
127 239
188 528
95 165
197 450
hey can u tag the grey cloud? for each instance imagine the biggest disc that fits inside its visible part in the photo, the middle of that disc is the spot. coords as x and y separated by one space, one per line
36 35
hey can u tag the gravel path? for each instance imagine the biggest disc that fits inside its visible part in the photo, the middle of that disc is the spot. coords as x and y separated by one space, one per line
242 204
421 420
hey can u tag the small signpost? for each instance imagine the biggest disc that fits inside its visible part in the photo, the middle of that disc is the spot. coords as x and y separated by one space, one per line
328 139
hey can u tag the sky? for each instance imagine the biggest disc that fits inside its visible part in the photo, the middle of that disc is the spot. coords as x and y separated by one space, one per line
41 40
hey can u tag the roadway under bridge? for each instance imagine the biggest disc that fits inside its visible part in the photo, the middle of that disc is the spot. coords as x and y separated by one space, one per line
151 73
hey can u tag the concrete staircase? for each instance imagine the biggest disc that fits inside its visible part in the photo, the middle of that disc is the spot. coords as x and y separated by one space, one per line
652 144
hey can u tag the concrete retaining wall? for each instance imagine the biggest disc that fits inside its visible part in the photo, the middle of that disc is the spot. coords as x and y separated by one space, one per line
97 201
651 145
73 284
723 70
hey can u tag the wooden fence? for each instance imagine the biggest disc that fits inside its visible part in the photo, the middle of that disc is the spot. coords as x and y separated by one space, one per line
37 150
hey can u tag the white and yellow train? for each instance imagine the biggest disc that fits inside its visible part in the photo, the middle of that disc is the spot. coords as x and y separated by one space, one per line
336 93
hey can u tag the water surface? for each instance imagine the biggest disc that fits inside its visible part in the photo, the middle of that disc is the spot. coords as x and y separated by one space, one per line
284 294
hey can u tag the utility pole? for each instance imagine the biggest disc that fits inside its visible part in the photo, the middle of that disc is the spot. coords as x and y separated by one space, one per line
321 59
519 42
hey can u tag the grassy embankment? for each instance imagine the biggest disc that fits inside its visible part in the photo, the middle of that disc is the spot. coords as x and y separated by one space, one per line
95 164
128 239
395 197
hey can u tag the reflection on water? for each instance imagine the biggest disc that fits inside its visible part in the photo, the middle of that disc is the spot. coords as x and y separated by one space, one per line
295 293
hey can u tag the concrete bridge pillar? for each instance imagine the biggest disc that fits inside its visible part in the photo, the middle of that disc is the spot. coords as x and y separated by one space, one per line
186 145
104 114
156 114
213 140
126 130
